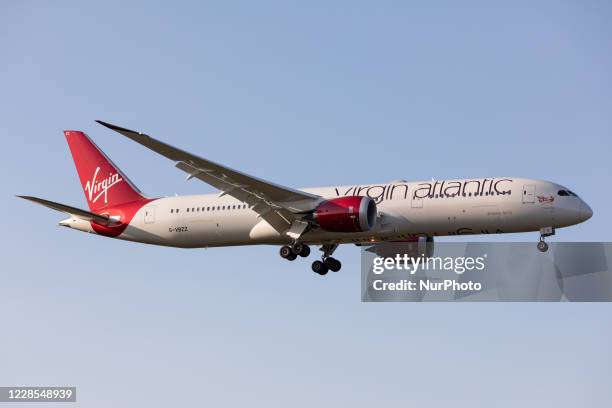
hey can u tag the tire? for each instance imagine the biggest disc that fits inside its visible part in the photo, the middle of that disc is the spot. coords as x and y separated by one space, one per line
291 257
305 251
333 264
319 267
542 246
285 252
297 248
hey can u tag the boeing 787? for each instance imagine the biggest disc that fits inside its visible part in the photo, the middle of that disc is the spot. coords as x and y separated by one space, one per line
251 211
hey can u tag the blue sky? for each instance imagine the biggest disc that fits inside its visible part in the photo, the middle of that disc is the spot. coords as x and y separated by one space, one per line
303 94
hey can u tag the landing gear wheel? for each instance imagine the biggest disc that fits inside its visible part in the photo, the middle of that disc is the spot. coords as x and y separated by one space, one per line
287 253
305 251
545 232
542 246
333 264
297 248
319 267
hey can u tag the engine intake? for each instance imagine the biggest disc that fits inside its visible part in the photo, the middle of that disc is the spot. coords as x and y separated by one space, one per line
346 214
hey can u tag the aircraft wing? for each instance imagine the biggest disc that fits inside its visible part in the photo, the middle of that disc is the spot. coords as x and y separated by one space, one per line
75 212
278 205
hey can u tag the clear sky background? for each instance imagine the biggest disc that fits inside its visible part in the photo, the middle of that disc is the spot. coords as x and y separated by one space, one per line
303 94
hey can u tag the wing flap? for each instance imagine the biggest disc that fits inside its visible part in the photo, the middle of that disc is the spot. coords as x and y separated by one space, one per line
278 217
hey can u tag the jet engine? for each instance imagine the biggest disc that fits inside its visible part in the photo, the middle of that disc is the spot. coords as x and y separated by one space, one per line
346 214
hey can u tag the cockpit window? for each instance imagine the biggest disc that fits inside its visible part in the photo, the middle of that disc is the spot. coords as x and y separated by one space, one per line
566 193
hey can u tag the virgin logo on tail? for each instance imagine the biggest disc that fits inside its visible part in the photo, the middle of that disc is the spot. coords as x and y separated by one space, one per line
96 189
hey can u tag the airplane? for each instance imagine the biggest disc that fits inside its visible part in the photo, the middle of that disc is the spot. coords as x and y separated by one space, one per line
251 211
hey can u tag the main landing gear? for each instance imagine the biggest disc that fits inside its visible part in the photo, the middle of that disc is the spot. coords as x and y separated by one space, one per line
292 252
545 232
327 263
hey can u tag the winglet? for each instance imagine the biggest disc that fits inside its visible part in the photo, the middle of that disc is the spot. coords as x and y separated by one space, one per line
114 127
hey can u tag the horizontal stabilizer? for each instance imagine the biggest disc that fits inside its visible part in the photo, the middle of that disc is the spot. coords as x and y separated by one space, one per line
76 212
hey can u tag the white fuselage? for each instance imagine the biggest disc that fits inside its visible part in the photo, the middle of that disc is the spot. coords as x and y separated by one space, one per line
405 210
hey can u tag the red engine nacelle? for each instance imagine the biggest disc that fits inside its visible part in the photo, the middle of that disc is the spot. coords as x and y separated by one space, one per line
346 214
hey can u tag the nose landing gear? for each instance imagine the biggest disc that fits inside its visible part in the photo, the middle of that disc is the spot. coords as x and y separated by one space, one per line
542 246
545 232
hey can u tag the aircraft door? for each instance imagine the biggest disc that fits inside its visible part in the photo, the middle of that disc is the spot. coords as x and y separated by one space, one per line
149 215
417 202
528 193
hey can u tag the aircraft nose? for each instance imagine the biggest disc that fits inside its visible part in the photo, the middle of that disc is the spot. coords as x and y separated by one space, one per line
585 211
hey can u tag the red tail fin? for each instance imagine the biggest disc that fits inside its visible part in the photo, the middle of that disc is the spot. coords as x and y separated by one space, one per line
103 183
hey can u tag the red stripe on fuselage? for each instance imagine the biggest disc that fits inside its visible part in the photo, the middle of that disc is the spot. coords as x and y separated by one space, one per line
124 212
